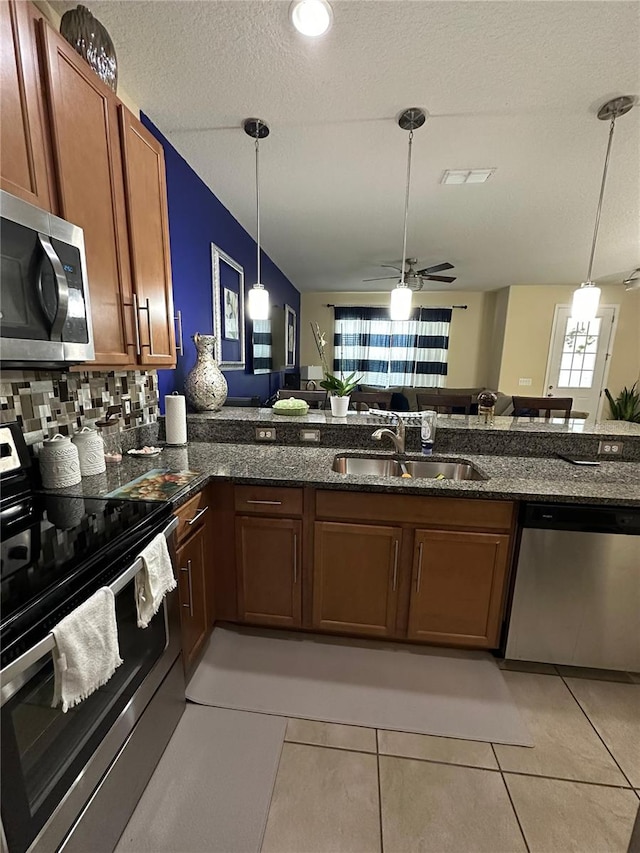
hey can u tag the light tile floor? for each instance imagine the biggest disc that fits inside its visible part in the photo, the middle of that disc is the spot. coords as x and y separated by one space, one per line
348 789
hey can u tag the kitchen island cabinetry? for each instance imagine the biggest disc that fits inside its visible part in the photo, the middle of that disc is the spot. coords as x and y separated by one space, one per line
195 576
25 166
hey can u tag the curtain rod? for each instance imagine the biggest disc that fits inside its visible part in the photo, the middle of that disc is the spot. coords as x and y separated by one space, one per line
331 305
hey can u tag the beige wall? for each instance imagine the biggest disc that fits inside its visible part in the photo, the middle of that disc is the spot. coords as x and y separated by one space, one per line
468 353
529 318
54 17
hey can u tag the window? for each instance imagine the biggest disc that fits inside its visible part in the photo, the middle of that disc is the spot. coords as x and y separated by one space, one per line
388 353
579 350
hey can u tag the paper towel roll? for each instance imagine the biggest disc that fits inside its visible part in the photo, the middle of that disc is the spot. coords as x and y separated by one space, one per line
175 419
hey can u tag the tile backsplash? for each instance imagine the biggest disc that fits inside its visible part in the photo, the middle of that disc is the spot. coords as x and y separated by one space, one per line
47 402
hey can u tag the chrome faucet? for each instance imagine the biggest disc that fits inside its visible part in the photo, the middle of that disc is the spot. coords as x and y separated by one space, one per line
397 437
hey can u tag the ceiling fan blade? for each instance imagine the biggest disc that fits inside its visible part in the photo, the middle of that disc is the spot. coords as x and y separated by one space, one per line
436 268
384 278
448 278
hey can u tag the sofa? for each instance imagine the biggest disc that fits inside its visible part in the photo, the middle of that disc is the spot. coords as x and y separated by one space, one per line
405 397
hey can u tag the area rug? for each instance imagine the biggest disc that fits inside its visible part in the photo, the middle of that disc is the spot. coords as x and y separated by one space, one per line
400 687
211 790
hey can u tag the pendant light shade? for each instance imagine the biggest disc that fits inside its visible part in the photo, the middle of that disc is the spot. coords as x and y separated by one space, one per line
258 297
400 306
586 298
401 296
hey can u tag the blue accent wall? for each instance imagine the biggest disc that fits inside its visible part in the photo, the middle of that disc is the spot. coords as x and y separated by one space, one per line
196 220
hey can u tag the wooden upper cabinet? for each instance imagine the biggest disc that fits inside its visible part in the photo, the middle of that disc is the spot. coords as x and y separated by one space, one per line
355 578
88 165
269 570
458 585
25 157
146 199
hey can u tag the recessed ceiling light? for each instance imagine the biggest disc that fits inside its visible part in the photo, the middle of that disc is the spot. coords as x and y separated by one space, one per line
311 17
466 176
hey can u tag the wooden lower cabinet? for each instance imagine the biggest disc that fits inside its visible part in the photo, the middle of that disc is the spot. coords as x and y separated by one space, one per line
457 591
268 561
192 587
355 578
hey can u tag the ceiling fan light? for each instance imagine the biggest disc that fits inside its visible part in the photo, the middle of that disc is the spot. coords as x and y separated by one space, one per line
312 18
258 302
586 300
400 305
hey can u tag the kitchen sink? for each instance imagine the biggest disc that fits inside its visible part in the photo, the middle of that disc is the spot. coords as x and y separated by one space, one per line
380 466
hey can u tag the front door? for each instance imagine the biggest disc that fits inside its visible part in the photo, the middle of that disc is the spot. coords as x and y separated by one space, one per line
578 357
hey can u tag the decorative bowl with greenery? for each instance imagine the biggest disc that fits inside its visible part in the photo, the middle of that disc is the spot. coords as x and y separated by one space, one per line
626 406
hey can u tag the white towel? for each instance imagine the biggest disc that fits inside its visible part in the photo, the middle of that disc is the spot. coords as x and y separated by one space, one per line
154 580
87 652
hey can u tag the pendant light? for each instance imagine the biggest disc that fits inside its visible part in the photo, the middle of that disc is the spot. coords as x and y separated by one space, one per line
587 297
258 297
400 305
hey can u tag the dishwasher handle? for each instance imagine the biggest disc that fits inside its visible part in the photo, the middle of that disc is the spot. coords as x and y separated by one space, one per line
584 518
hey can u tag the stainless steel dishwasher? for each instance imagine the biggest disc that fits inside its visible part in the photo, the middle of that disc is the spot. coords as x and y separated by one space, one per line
576 599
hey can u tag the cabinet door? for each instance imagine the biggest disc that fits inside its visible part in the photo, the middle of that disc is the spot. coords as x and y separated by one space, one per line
355 578
147 218
269 576
25 165
458 587
192 587
86 148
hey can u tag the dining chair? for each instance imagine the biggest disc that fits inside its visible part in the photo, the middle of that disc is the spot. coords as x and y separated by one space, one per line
446 403
534 406
365 400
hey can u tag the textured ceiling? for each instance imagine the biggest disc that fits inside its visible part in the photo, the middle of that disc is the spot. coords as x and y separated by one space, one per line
512 85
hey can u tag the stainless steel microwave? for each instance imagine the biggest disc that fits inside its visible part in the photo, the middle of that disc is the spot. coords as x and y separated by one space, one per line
45 313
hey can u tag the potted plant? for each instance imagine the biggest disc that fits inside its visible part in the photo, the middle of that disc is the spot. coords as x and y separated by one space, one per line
340 391
626 406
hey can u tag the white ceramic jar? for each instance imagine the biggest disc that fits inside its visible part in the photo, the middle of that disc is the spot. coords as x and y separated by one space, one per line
59 463
91 452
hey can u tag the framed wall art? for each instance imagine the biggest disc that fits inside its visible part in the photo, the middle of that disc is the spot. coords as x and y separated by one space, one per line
290 323
228 310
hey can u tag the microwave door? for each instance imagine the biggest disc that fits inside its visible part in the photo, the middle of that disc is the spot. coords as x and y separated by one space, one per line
52 288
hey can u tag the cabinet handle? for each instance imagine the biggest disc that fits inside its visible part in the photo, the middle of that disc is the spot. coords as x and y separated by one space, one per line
395 565
147 307
419 577
295 558
197 515
268 503
190 604
134 304
180 345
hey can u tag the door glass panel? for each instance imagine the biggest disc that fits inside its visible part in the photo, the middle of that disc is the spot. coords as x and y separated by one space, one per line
577 361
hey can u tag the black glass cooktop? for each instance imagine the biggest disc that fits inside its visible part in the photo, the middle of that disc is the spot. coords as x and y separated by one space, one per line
56 550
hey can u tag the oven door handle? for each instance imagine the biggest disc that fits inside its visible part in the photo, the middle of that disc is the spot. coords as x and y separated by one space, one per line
48 644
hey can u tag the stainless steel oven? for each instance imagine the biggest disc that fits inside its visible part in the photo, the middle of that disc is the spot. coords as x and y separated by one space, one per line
71 781
45 314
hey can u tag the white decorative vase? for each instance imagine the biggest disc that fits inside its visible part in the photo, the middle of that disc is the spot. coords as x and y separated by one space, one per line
59 463
91 452
339 406
205 386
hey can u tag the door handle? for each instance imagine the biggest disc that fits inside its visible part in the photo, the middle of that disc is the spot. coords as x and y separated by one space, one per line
188 571
136 324
295 558
62 287
180 345
199 513
395 565
419 575
147 307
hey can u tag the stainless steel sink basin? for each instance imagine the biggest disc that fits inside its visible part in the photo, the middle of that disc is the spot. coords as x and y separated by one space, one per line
380 466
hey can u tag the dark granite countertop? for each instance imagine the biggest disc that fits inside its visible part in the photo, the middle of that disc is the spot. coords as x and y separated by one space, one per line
510 478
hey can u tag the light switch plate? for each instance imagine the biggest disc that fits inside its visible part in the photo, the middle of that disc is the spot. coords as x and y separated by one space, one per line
310 436
524 381
610 448
265 434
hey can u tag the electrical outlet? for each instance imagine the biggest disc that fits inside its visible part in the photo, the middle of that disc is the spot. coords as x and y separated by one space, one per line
311 436
524 381
265 434
610 448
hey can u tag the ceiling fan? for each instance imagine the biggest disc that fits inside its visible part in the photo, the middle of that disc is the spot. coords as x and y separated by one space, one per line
415 279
